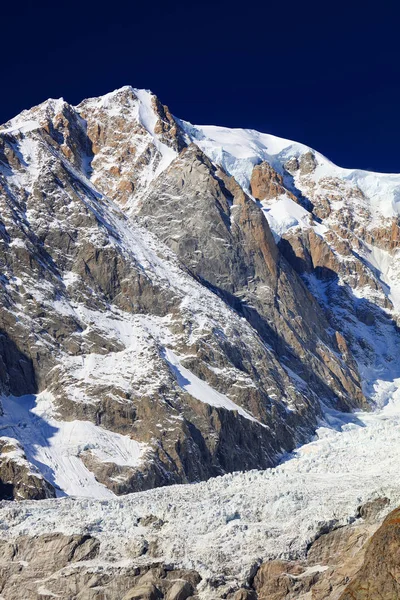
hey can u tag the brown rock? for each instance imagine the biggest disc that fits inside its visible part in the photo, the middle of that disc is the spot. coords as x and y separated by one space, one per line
180 590
245 595
19 479
266 183
379 576
147 591
307 163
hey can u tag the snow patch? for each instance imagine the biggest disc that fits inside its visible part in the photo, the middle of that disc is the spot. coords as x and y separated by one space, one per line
285 214
148 119
54 446
21 126
386 265
200 389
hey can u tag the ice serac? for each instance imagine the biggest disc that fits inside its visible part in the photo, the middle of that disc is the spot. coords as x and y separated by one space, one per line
356 560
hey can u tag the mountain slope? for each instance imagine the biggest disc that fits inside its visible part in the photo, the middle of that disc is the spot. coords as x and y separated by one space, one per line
173 293
180 303
338 228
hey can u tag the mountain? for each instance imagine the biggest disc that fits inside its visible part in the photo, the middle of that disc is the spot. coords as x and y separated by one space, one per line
182 302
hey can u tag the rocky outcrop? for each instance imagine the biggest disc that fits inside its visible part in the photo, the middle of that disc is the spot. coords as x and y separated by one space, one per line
222 236
387 236
19 479
123 242
166 126
17 375
173 309
346 260
65 567
333 559
267 184
123 155
378 577
358 560
305 164
88 293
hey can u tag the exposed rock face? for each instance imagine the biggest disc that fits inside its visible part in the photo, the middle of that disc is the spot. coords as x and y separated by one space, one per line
334 559
166 127
346 253
20 480
378 577
61 566
17 375
130 134
93 303
223 237
267 184
355 561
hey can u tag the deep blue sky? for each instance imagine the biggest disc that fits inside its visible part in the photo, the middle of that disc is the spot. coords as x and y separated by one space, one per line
323 73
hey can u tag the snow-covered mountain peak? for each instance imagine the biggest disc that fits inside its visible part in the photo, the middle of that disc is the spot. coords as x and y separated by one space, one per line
239 150
34 118
180 302
236 150
125 153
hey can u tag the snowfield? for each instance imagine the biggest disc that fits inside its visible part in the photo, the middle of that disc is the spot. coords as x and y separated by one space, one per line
228 523
54 446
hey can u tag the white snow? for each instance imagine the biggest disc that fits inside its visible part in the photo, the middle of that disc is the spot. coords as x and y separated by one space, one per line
22 126
387 266
14 452
200 389
285 214
54 446
238 150
381 189
148 119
